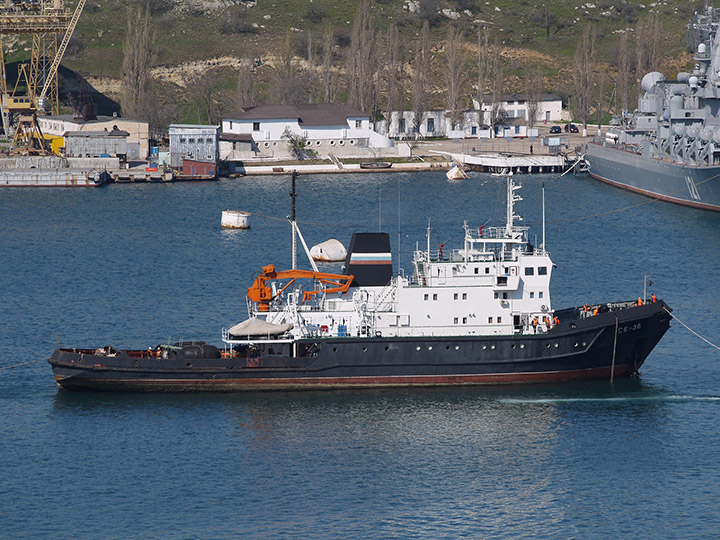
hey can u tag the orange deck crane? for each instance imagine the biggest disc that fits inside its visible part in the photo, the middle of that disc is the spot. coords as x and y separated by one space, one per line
261 293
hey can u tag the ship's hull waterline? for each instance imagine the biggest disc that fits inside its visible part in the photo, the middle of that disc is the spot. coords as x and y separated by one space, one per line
698 187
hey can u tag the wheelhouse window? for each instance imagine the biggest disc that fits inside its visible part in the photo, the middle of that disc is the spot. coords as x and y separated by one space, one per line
542 271
529 271
256 126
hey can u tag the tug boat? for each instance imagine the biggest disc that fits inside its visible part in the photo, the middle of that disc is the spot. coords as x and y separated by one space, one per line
478 314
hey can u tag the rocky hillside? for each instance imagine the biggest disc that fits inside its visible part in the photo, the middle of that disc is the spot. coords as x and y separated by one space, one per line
195 37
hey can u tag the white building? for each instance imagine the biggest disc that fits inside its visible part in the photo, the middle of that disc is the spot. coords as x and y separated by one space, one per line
515 106
138 132
438 123
330 128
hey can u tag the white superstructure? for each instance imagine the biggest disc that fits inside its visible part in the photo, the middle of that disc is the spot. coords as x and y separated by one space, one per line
497 283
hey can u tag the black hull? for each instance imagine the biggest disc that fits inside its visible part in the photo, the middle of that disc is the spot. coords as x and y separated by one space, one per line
579 349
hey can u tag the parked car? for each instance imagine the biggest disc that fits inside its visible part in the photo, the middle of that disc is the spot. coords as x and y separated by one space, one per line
572 128
555 129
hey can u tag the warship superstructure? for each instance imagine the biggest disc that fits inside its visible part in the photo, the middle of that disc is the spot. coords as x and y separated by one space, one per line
669 148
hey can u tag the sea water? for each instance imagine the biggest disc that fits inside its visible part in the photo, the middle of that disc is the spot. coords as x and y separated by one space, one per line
137 265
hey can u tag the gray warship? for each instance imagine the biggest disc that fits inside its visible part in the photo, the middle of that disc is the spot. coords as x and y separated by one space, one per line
669 148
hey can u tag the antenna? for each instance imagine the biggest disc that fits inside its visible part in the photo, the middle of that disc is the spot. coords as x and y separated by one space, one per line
543 217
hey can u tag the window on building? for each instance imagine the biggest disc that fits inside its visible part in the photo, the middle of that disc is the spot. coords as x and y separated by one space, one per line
191 140
182 139
401 127
542 271
529 271
430 125
358 124
517 130
473 130
256 126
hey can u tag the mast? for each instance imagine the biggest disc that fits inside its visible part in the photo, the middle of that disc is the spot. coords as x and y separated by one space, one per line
293 195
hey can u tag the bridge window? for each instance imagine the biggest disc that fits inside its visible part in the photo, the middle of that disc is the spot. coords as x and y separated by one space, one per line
455 296
455 320
477 269
425 297
434 296
464 320
529 271
532 295
499 320
542 271
540 294
490 319
487 269
464 296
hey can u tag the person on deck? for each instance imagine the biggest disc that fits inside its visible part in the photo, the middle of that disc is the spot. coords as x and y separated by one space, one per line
653 298
535 324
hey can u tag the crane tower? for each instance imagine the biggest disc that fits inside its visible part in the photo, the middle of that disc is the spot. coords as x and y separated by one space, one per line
45 21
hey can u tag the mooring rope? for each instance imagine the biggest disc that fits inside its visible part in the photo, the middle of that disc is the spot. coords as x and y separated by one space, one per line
22 364
691 330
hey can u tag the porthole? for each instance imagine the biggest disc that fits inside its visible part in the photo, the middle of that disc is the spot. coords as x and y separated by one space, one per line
522 345
457 347
274 143
484 347
267 145
417 348
334 349
318 143
430 348
556 345
341 143
512 346
387 348
492 346
364 349
547 345
352 141
576 344
332 143
583 343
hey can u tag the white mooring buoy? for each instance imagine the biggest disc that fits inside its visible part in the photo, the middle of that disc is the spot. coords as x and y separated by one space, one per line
235 219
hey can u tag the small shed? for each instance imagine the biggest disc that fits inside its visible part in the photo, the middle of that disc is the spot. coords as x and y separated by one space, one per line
96 143
198 170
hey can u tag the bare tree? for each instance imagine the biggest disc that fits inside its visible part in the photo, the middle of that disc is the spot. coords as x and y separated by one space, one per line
483 65
532 86
623 82
137 61
289 84
497 110
583 73
649 45
327 74
246 93
455 59
362 65
394 74
421 78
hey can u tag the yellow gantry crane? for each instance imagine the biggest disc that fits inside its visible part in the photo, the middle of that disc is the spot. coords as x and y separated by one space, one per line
45 20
